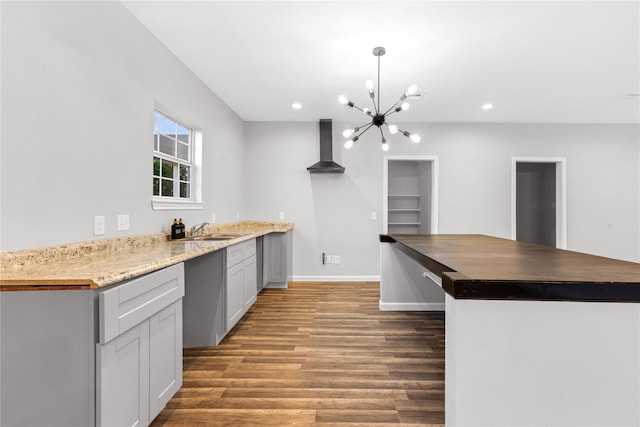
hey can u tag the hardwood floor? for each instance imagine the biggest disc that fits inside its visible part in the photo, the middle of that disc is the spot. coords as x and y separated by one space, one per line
317 354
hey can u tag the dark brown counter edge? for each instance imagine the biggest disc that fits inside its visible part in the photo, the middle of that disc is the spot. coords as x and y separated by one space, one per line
459 286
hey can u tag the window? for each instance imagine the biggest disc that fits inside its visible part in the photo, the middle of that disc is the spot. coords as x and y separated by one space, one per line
175 164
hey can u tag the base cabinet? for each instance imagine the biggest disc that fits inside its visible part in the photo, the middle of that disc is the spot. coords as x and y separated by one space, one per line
235 294
165 357
276 260
123 378
240 280
139 367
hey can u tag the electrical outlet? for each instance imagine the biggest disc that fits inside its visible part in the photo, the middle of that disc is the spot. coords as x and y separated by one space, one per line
281 216
98 225
374 216
213 218
335 259
123 222
238 215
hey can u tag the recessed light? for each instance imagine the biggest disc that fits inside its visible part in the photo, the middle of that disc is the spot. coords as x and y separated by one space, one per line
296 106
487 106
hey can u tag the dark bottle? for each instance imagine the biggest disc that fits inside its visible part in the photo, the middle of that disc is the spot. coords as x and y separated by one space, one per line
181 229
174 229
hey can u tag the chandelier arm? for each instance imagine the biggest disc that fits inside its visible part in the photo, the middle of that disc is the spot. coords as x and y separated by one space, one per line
361 110
391 112
365 129
382 134
386 113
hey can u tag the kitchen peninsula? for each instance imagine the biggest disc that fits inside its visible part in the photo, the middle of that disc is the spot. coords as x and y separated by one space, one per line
92 332
534 335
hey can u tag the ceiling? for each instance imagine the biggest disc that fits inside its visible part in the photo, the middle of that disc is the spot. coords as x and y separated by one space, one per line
536 62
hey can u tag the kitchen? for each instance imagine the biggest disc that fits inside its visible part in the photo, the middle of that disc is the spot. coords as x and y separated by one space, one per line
80 82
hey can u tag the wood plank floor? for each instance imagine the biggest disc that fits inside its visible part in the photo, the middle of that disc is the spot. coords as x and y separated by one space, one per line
317 354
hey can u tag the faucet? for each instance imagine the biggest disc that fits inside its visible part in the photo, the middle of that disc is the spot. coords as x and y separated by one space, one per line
198 227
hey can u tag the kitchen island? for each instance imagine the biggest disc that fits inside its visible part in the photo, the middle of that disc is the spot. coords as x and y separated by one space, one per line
534 335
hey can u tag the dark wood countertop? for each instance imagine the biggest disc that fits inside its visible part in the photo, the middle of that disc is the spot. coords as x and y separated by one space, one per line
483 267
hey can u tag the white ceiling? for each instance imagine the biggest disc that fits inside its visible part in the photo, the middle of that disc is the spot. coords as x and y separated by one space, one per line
538 61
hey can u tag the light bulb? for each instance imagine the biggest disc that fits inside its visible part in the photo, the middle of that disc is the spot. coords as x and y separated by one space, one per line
343 99
393 129
348 144
405 106
366 111
385 146
347 133
415 138
369 84
411 90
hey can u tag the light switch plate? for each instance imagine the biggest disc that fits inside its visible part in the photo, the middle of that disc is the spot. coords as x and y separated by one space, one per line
123 222
213 218
335 259
281 215
374 216
98 225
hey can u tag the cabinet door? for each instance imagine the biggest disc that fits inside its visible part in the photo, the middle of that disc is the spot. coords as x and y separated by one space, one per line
235 294
165 357
250 282
122 388
277 257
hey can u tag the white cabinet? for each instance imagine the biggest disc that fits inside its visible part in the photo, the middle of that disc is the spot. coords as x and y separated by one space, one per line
139 355
240 281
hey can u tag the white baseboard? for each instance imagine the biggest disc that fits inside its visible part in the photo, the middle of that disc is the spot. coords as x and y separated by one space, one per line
411 306
336 279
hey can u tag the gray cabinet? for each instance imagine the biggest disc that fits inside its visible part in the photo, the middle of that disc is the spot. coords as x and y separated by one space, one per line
122 392
139 354
276 260
204 300
165 357
240 280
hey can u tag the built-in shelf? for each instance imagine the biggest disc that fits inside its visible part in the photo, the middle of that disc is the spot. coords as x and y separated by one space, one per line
404 223
404 196
403 210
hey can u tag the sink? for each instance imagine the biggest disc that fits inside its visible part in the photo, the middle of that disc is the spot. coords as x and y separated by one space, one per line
216 236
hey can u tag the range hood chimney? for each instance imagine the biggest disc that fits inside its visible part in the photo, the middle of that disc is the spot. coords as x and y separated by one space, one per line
326 163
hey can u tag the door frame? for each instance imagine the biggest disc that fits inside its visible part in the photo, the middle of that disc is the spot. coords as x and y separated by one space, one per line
561 195
434 188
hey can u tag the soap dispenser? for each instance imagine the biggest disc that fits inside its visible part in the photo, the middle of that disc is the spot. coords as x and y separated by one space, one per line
174 229
181 229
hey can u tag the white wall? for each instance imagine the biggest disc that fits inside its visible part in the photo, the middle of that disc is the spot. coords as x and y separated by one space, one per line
79 85
332 212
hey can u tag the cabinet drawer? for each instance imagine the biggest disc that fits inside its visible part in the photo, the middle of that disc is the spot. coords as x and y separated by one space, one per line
130 303
241 251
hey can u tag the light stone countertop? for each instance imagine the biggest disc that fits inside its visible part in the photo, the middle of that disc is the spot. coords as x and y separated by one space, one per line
95 264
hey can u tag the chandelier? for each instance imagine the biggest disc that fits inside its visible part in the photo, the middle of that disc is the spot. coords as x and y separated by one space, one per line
378 118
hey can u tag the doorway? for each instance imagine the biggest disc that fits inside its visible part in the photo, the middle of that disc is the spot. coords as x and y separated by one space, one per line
538 201
410 194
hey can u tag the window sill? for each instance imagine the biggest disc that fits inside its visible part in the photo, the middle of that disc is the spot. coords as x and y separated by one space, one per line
171 205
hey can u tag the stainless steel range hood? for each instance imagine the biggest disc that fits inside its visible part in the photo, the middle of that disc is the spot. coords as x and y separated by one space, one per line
326 163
